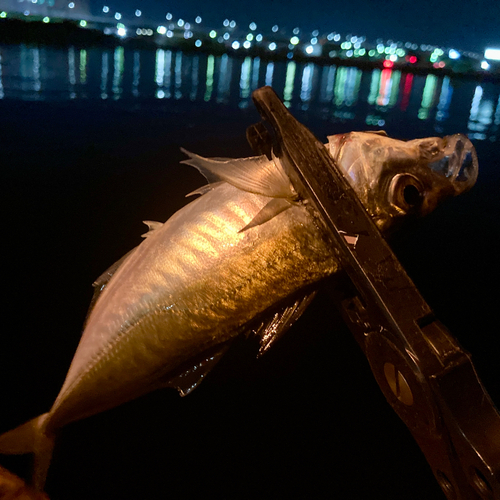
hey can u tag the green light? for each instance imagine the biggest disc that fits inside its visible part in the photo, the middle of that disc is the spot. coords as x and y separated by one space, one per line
374 86
294 40
46 19
372 52
3 14
83 23
289 79
362 52
400 53
213 34
347 45
83 66
249 37
120 26
210 77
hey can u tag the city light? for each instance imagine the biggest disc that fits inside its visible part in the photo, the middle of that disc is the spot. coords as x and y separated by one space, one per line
71 5
275 28
198 21
272 46
258 38
105 9
294 40
492 54
83 23
118 16
161 30
121 32
309 49
198 43
453 54
252 26
168 17
235 45
46 19
485 65
180 23
138 13
212 34
3 14
247 44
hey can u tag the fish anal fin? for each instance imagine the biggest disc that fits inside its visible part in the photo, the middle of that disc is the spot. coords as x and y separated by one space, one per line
192 374
270 210
273 328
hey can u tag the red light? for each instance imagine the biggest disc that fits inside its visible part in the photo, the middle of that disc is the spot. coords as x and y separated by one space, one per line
413 59
388 64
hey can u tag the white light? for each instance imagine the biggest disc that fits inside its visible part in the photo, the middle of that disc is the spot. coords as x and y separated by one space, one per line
46 19
247 44
198 43
485 65
187 26
161 30
232 24
188 34
294 40
226 22
314 41
330 37
138 31
213 34
250 37
105 9
118 16
336 38
83 23
121 32
170 34
26 12
252 26
168 17
272 46
275 28
226 36
235 45
71 5
198 21
138 13
180 23
493 54
315 33
309 49
259 38
453 54
296 31
393 57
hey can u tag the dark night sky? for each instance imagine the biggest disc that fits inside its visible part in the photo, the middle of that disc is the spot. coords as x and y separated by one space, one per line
467 24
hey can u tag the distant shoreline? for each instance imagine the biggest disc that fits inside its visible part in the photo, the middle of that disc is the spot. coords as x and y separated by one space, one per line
61 33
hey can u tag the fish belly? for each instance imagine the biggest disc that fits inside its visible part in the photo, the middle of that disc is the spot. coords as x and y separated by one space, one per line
192 284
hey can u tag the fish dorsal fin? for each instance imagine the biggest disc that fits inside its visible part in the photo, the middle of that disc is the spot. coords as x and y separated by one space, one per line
273 328
205 189
153 226
102 281
270 210
256 174
188 379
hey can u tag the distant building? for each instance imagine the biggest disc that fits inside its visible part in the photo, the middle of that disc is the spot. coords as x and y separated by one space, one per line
53 8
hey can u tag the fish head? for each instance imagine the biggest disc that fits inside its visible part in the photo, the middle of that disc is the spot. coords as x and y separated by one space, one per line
398 180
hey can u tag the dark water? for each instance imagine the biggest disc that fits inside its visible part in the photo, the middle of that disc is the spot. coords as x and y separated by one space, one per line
90 148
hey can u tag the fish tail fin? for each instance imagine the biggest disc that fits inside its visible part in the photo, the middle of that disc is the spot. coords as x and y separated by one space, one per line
31 437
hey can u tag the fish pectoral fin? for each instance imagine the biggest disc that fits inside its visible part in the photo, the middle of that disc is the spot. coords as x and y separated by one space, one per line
273 328
270 210
153 226
192 373
256 174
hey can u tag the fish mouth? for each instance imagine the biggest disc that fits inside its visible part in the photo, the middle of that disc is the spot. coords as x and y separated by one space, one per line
457 162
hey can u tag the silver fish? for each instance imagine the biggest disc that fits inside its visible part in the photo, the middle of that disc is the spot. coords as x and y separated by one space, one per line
245 256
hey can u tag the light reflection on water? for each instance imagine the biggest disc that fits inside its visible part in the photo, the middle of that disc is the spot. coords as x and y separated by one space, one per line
333 93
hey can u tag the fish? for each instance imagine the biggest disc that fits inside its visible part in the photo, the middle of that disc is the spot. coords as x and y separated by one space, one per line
244 258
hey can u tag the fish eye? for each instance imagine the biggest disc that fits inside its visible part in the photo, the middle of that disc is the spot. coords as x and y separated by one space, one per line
405 192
